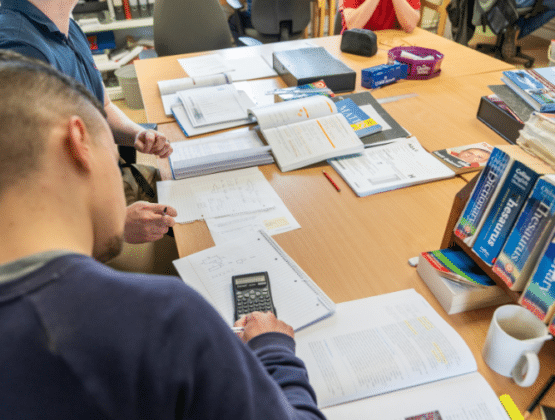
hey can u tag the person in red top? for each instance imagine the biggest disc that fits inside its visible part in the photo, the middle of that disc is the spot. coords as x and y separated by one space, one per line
380 14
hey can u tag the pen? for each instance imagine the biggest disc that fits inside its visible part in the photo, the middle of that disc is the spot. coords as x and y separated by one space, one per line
539 397
237 329
331 180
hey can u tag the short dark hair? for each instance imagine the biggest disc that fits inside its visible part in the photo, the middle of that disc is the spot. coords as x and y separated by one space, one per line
34 97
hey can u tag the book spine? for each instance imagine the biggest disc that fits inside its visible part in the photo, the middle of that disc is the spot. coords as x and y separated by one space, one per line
551 326
118 9
482 193
518 256
111 10
504 211
539 294
127 9
134 9
143 8
151 7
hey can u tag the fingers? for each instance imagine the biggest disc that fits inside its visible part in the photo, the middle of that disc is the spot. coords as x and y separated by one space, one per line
153 142
147 222
257 323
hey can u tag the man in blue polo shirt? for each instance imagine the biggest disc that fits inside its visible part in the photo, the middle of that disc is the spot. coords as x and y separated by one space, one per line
43 29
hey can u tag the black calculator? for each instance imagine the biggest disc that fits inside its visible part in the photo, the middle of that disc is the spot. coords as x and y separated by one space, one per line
251 292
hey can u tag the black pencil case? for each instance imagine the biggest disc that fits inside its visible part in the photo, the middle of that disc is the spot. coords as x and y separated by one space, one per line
360 42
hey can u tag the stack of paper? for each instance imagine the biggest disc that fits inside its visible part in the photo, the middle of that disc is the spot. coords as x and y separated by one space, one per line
221 152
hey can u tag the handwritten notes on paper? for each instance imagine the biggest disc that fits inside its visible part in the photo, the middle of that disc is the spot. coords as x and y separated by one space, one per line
216 195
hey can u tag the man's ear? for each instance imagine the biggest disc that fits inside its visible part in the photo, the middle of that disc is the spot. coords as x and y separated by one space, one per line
78 143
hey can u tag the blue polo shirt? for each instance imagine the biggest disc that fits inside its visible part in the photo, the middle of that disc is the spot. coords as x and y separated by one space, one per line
28 31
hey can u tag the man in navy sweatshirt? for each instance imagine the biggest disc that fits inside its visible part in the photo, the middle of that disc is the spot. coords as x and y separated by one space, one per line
79 340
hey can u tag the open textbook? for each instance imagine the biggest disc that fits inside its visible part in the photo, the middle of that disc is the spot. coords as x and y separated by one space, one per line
392 357
306 131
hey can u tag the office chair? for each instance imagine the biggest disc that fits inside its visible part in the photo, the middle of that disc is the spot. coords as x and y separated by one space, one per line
504 47
185 26
337 25
274 20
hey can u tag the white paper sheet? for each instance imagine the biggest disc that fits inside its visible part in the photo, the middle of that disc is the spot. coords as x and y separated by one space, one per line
216 195
467 397
380 344
274 221
250 68
203 65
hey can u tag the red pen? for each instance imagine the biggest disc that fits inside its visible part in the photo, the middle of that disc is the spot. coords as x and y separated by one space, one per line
331 180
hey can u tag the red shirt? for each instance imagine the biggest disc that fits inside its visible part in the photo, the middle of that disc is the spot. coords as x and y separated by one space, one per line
382 18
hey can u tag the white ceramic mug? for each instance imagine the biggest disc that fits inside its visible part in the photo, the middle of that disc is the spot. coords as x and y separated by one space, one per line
515 337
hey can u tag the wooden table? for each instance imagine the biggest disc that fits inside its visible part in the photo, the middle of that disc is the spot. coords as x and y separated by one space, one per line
458 61
356 247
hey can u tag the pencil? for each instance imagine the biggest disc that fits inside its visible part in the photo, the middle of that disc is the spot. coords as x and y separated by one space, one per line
331 180
539 397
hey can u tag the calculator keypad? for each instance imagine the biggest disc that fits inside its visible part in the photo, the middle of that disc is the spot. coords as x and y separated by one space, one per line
253 297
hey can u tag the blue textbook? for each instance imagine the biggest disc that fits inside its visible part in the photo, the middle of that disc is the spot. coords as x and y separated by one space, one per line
357 118
535 86
531 231
521 177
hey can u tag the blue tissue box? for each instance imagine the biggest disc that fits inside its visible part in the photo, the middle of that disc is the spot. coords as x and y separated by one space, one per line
384 74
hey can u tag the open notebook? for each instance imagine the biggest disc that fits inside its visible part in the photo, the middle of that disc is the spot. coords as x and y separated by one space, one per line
298 300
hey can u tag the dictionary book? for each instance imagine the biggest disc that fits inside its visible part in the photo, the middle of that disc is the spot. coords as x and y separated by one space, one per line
521 177
539 294
484 191
531 230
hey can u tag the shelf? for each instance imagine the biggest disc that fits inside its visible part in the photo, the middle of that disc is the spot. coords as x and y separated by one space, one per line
118 24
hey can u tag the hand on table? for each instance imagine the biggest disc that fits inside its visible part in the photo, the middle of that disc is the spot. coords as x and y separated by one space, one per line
257 323
147 222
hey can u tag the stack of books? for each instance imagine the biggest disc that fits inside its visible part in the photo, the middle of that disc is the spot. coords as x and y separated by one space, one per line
457 282
511 104
509 223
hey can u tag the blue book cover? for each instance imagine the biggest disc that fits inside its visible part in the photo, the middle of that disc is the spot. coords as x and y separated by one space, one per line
456 265
539 295
504 211
516 259
357 118
482 193
534 87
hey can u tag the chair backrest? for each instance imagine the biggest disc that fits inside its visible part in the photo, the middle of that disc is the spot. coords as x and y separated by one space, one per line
338 24
438 6
183 26
267 15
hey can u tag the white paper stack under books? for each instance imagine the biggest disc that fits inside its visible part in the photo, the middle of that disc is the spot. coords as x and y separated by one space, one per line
298 300
393 357
221 152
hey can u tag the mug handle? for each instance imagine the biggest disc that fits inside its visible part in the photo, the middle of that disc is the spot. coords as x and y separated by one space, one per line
527 369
